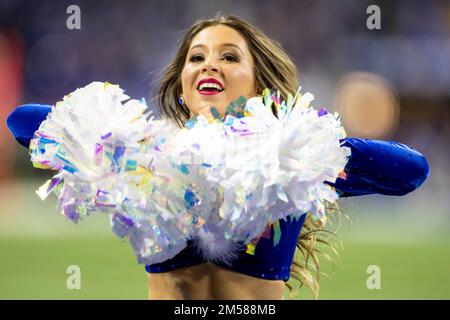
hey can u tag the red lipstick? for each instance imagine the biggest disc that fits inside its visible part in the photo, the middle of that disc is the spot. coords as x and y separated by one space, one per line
212 90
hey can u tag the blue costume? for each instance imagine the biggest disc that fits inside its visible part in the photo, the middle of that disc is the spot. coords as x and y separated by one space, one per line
383 167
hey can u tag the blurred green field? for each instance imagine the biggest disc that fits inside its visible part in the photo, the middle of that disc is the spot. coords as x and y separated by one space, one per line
37 245
36 269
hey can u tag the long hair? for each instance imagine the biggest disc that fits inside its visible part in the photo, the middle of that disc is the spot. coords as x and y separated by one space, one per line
273 69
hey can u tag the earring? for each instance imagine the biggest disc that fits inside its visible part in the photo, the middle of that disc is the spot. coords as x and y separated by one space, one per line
181 101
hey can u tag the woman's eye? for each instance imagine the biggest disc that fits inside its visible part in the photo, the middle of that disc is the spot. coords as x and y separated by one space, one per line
196 58
231 58
227 57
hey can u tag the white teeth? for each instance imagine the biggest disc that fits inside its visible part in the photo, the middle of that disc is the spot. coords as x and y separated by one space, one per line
210 85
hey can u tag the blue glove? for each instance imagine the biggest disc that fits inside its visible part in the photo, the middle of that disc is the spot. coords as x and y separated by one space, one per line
25 120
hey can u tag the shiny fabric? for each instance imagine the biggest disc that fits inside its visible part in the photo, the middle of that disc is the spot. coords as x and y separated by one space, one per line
384 167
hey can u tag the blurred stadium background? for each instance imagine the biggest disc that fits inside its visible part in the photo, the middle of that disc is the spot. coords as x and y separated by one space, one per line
392 83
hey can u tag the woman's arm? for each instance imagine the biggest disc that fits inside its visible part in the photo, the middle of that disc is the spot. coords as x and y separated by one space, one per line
384 167
25 120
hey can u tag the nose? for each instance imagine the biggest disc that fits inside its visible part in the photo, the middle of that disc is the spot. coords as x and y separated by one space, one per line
210 66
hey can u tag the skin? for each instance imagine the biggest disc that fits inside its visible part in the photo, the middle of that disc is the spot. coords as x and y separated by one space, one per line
212 58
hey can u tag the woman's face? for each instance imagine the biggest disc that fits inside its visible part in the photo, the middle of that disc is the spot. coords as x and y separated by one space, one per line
218 70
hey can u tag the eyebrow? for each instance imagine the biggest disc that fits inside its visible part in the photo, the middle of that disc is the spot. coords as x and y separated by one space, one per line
222 45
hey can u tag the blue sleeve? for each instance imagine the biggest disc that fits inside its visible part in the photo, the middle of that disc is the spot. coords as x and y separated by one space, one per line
25 120
383 167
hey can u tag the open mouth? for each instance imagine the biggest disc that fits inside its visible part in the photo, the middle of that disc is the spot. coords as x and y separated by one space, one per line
209 87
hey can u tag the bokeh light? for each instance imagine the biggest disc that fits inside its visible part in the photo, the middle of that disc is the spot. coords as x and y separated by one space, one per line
368 105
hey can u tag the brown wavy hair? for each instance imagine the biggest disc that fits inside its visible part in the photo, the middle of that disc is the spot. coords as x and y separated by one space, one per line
273 69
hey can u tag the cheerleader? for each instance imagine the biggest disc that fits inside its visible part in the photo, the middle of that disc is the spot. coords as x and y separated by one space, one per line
223 197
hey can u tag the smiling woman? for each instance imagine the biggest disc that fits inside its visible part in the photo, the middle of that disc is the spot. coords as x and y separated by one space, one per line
219 60
271 170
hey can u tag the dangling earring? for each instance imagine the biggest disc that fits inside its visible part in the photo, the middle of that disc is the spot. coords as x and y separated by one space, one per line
181 103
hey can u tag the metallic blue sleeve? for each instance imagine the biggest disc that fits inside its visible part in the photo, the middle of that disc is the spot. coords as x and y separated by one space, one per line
384 167
25 120
375 166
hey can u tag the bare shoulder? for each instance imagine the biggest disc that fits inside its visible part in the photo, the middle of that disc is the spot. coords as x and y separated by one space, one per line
231 285
208 281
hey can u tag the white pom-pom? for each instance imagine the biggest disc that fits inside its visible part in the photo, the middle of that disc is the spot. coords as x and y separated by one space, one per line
113 158
260 161
216 248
